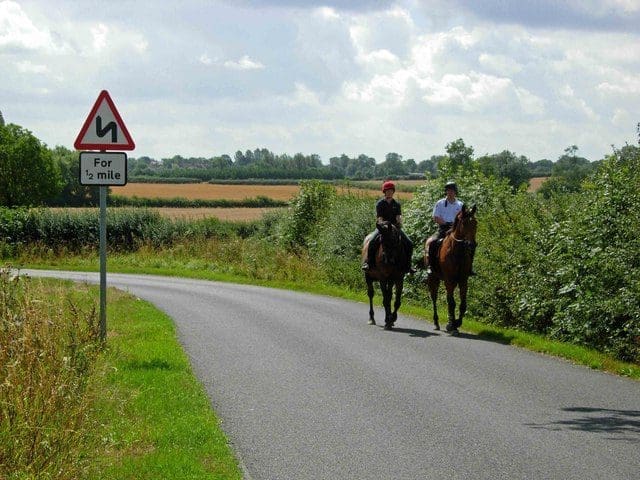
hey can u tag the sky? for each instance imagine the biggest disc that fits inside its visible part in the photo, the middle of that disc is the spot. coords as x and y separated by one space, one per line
202 78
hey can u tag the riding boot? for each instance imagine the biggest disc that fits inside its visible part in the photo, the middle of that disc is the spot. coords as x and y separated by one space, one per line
371 255
432 255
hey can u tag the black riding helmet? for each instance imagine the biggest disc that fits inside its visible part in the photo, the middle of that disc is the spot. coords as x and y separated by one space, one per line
451 185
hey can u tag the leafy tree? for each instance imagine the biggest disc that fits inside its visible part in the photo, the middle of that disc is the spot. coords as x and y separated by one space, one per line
410 165
392 166
222 162
430 166
567 173
72 193
239 158
540 168
459 156
141 166
339 164
28 173
506 165
1 120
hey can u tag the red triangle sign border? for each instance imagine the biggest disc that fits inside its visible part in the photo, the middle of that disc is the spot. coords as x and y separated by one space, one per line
79 144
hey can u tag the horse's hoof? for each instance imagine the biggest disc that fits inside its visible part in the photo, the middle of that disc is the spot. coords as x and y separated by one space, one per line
372 321
437 327
388 326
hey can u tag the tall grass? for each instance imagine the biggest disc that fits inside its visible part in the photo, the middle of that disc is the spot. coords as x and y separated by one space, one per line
47 352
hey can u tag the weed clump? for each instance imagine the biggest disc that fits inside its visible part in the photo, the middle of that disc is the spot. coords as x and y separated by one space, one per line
48 347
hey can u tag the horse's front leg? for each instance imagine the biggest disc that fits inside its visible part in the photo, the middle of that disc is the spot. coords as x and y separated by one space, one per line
434 284
396 306
462 287
387 293
451 306
370 292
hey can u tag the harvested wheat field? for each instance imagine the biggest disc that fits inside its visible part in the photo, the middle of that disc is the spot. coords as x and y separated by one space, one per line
535 182
225 214
206 191
211 191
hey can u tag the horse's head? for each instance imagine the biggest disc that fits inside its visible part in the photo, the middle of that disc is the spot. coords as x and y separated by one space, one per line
465 225
391 240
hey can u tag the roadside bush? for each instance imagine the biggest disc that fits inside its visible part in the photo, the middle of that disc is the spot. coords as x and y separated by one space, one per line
598 258
127 229
566 266
49 347
338 243
311 205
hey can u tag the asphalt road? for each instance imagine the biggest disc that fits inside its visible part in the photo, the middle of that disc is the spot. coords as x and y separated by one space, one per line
307 390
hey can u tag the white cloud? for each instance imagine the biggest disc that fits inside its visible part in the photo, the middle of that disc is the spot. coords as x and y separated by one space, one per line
621 118
621 85
99 34
205 60
531 104
327 13
303 95
244 63
470 92
28 67
17 29
499 63
379 60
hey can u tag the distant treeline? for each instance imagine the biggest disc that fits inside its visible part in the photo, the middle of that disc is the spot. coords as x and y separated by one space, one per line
32 174
264 164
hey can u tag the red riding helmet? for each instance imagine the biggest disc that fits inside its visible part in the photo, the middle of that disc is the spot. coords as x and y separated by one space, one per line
388 186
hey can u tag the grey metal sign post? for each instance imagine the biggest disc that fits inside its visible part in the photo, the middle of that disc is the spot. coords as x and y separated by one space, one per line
103 130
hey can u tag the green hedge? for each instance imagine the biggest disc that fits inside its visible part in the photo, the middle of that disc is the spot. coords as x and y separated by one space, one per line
567 266
179 202
127 229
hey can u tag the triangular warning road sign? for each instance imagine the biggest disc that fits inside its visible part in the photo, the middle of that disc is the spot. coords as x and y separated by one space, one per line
104 129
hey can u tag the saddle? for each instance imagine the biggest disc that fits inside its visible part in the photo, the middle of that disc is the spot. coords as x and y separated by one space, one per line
375 241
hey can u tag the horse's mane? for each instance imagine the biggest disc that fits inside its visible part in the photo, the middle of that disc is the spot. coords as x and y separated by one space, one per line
456 220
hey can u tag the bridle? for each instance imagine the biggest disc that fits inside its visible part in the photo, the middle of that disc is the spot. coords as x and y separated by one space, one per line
471 244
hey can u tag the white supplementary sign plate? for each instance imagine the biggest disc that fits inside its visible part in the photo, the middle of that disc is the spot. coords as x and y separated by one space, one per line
103 168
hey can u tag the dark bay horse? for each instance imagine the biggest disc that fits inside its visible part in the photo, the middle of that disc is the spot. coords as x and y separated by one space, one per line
388 271
454 261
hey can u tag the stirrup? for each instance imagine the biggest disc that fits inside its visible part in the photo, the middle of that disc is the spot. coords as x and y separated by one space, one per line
365 266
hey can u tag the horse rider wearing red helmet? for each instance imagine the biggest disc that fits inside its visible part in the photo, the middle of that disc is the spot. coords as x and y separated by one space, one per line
388 209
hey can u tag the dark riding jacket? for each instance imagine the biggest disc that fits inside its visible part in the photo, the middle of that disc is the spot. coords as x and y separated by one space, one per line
389 211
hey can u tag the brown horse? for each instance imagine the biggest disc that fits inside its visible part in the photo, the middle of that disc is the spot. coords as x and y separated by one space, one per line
454 261
388 271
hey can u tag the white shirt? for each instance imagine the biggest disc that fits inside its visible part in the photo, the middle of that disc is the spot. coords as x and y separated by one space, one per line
447 210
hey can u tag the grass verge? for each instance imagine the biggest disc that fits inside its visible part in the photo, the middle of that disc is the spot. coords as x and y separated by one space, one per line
73 407
156 419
